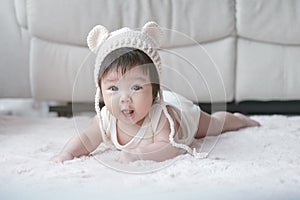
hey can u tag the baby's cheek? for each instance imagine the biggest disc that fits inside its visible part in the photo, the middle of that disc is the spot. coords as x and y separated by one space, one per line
114 106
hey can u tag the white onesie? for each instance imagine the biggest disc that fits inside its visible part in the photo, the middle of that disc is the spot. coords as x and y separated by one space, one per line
185 112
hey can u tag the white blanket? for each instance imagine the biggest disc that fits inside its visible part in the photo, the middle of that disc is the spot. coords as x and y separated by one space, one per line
260 162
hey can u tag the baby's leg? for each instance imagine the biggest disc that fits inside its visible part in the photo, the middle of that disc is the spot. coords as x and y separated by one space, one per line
220 122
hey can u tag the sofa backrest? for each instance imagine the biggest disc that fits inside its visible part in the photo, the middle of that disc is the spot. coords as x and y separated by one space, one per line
58 47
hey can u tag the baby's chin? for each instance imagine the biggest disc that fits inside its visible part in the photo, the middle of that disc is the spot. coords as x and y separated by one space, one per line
131 121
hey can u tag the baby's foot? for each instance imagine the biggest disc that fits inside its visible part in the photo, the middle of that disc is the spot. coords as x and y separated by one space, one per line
248 121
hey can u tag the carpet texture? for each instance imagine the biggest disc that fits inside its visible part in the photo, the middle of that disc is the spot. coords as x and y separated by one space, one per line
260 162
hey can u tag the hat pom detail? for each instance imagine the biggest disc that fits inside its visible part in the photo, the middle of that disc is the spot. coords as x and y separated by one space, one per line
153 30
97 36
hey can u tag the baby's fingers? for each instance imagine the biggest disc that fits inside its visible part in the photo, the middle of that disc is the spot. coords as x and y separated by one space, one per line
62 157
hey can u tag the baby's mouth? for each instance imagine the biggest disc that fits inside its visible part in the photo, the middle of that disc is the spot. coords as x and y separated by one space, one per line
128 113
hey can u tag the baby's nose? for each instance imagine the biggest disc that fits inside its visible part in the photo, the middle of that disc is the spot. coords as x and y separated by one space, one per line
125 98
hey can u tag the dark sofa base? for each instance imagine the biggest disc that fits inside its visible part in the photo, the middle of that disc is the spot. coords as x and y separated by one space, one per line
256 107
246 107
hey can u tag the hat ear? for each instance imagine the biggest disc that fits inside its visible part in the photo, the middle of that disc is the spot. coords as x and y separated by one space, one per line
154 31
97 36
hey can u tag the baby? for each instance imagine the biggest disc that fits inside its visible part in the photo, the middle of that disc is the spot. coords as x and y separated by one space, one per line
139 118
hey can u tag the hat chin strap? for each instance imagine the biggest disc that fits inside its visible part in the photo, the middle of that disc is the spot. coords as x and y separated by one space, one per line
98 111
200 155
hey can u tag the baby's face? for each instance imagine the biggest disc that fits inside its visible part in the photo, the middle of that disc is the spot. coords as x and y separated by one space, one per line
128 97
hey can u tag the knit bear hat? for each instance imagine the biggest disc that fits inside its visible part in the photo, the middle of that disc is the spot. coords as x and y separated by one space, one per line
148 40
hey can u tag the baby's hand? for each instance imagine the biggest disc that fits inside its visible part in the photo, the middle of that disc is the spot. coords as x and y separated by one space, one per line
126 157
62 157
122 158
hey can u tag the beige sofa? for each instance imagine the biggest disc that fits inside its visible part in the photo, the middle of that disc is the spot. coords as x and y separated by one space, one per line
250 50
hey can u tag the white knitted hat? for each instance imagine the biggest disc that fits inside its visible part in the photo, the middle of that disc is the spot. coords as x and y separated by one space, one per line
148 40
102 42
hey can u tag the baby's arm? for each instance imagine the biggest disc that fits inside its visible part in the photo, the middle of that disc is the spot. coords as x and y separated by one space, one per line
158 151
82 144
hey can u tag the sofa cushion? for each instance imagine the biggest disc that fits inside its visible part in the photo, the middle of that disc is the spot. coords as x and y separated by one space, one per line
274 21
267 71
61 72
64 22
201 73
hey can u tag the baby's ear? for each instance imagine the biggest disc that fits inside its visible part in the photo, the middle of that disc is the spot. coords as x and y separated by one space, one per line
97 36
154 31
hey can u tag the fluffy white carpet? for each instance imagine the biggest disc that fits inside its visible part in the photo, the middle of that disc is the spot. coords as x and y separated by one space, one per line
261 162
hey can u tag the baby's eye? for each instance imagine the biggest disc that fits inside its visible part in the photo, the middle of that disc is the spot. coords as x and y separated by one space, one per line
136 88
113 88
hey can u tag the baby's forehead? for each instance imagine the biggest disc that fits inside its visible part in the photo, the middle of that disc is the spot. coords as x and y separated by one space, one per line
133 72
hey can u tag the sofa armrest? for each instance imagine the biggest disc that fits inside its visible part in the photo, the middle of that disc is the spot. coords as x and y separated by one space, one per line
14 50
